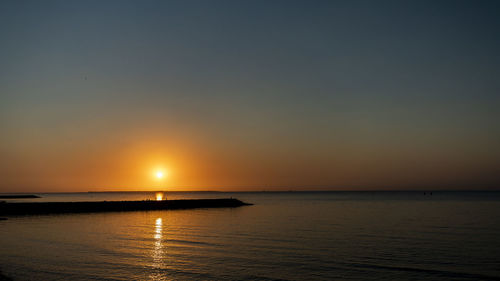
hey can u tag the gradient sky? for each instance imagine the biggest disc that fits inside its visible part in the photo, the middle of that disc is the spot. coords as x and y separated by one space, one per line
249 95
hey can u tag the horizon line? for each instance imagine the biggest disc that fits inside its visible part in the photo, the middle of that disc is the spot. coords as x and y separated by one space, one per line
263 191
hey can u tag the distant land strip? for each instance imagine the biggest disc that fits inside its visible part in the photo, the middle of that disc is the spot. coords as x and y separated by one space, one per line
114 206
19 196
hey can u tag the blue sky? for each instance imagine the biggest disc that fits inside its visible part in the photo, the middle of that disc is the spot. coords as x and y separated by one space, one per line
245 94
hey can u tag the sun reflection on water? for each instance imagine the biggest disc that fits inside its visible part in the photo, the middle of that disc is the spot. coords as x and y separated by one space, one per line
159 196
157 253
158 226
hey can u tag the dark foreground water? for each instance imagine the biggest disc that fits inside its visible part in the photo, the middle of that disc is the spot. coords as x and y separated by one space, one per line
286 236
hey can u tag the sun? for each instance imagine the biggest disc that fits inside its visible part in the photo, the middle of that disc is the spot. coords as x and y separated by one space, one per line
160 174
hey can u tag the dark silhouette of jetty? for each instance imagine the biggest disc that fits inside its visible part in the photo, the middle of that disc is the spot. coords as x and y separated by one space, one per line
19 196
113 206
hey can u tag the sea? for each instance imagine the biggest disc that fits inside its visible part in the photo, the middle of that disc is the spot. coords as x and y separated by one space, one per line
446 235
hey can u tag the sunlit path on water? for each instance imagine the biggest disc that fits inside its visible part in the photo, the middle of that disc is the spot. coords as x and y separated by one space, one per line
158 251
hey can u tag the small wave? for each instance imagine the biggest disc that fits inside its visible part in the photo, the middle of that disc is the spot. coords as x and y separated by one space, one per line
442 273
190 242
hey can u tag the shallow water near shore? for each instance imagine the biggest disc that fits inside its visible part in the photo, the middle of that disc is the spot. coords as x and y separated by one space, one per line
288 235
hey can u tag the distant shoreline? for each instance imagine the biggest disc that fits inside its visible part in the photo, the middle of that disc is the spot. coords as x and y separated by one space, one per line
29 196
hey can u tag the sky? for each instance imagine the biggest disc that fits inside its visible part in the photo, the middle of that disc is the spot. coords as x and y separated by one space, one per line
249 95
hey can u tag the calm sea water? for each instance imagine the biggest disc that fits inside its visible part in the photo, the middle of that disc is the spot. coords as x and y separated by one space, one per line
284 236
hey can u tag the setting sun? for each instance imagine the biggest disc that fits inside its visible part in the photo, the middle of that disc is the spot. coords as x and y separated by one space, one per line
159 174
